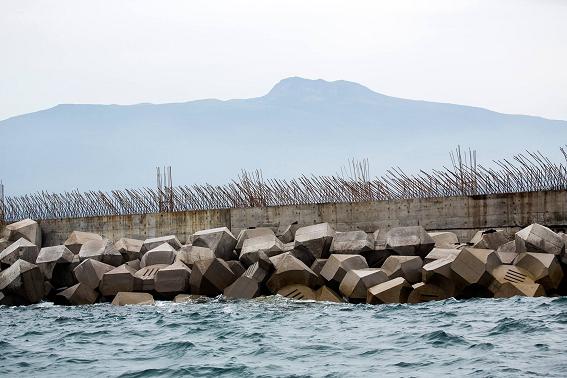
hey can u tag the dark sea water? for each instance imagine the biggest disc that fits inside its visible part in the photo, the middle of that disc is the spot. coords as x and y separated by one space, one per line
277 337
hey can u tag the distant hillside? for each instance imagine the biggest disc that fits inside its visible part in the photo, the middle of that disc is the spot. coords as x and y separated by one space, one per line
300 126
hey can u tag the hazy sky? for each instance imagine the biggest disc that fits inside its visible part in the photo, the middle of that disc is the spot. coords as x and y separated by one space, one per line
509 56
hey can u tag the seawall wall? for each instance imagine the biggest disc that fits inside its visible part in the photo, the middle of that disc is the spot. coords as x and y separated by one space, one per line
462 215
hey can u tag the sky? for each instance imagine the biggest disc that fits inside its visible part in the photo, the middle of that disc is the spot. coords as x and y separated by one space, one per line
505 55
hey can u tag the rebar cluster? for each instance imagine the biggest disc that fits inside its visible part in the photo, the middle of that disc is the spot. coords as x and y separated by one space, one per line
526 172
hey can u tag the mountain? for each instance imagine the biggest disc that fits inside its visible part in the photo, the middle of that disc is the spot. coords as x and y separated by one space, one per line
300 127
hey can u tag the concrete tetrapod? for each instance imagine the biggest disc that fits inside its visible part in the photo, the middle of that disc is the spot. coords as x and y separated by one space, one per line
543 267
408 267
147 276
129 248
90 272
270 245
119 279
127 298
538 238
219 240
152 243
337 267
444 239
22 282
396 290
101 250
291 271
20 249
189 254
79 294
351 243
162 254
173 279
77 238
27 229
409 241
211 277
473 265
509 280
489 239
250 233
55 264
315 239
356 283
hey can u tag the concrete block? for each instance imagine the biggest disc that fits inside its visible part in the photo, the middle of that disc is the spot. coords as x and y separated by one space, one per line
189 254
539 239
326 294
287 235
219 240
503 274
22 282
337 267
301 254
409 241
119 279
544 268
259 271
162 254
318 265
351 243
27 229
79 294
77 238
129 248
244 287
291 271
147 276
185 298
152 243
172 279
408 267
395 290
376 257
128 298
315 239
441 253
444 239
473 265
250 233
90 272
509 289
237 267
211 277
101 250
270 245
425 292
356 283
55 264
20 249
298 292
489 239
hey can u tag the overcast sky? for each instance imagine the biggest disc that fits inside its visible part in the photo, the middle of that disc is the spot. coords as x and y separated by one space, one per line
508 56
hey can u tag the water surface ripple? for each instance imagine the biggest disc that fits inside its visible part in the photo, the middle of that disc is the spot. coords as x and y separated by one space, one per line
278 337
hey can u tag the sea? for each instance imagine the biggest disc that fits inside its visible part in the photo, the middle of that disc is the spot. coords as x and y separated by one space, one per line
277 337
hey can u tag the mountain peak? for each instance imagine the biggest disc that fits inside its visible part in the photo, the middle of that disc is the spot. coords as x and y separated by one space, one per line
319 89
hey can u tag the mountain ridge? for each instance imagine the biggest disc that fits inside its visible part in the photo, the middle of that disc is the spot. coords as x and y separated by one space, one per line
299 127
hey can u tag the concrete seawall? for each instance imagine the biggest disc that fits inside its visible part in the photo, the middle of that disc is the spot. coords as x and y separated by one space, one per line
462 215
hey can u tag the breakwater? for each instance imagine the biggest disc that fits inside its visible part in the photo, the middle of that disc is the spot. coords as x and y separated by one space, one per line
463 215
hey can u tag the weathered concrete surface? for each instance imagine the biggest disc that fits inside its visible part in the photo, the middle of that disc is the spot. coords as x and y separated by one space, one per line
462 215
